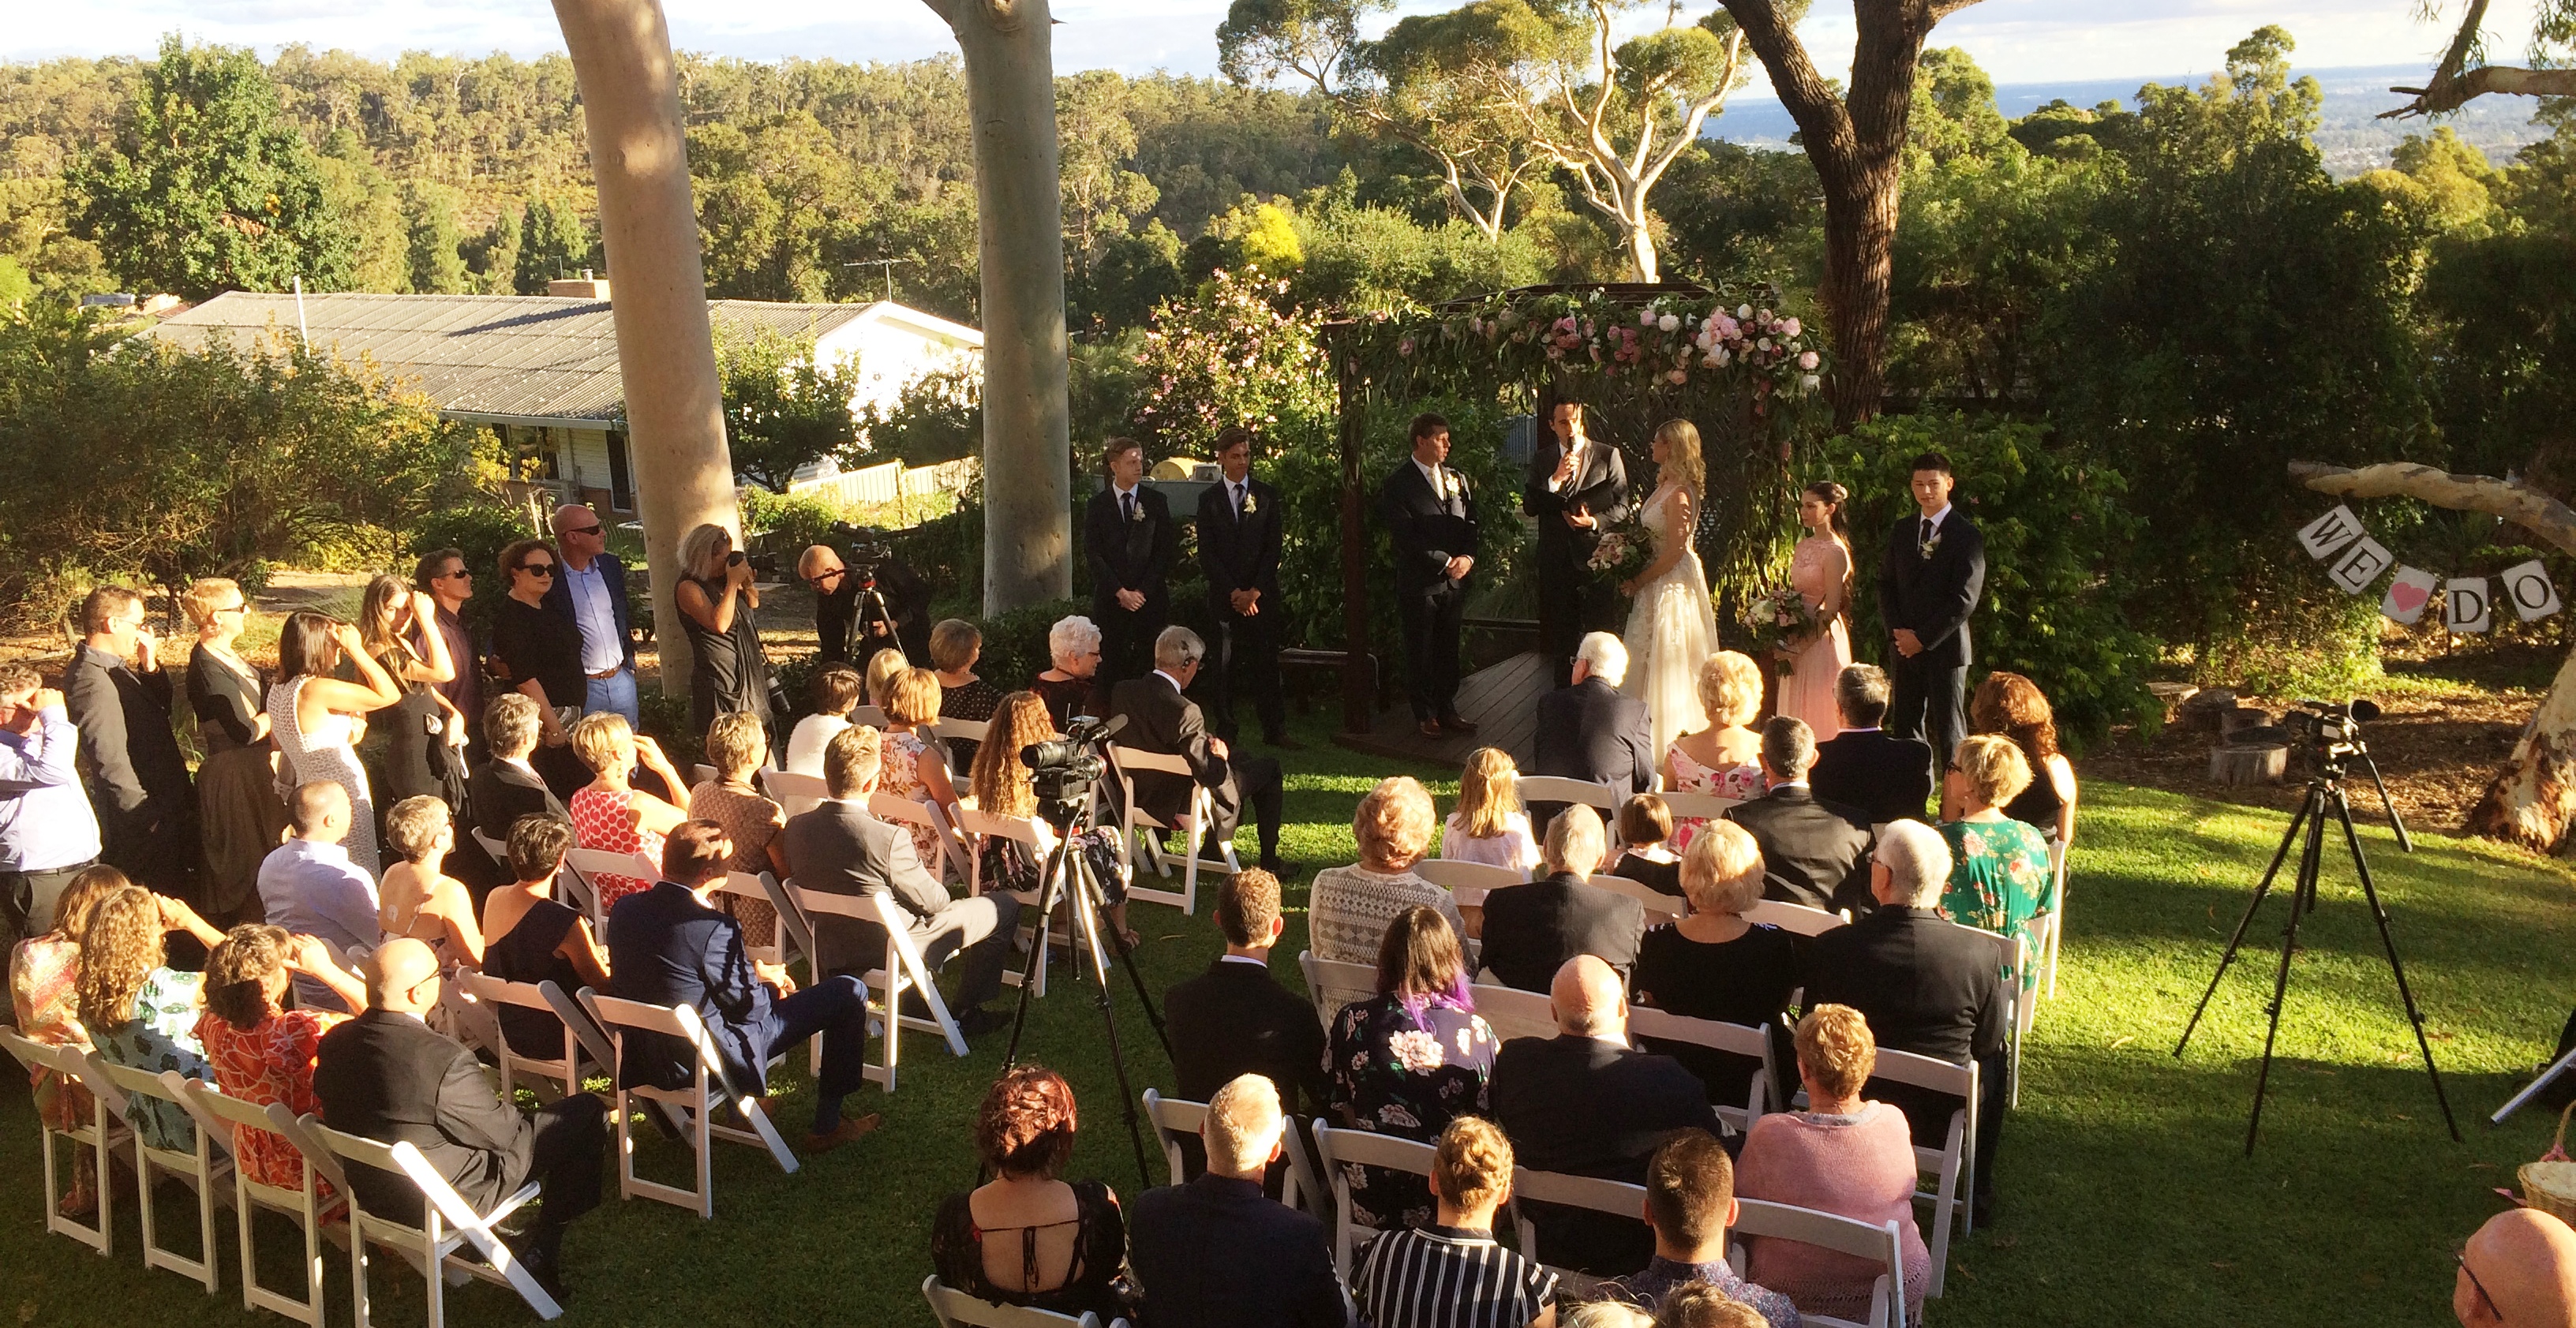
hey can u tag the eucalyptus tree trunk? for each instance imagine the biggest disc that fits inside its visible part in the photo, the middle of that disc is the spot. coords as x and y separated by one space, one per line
1019 208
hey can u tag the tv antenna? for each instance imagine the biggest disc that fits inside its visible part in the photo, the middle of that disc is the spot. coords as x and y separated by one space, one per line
885 263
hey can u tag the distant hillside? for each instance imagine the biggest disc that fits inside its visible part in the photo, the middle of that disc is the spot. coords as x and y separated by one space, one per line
2352 140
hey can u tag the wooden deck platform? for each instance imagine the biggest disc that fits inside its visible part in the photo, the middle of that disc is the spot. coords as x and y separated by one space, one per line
1502 701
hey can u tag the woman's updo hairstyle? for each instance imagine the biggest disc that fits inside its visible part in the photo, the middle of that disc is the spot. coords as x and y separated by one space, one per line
1830 492
1026 1125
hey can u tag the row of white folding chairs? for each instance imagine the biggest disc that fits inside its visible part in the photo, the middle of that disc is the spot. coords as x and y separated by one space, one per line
955 1309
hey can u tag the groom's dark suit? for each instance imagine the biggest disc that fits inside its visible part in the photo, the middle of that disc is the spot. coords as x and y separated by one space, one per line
1932 592
1239 550
1428 530
1572 599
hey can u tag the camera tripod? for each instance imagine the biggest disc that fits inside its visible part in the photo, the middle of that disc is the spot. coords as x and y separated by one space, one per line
2325 797
868 606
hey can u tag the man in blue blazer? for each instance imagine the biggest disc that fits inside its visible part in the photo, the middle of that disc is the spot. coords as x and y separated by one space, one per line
591 591
1215 1253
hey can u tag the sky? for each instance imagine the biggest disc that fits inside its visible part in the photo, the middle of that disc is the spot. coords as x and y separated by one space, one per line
2016 41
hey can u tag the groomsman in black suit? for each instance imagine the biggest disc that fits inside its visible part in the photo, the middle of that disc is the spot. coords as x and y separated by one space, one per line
1431 514
1128 535
1928 583
1577 489
1239 556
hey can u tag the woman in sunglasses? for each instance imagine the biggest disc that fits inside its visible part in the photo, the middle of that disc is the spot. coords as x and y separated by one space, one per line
537 651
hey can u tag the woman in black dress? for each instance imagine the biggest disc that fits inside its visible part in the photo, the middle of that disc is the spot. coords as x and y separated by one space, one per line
2012 705
425 734
239 812
1715 965
717 603
1025 1237
528 937
1069 684
955 645
537 652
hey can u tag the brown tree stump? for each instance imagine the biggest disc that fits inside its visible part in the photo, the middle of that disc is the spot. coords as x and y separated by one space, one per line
2242 717
2199 712
2242 766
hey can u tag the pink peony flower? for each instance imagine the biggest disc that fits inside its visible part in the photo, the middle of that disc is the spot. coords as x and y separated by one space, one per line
1668 323
1676 377
1808 360
1791 327
1645 318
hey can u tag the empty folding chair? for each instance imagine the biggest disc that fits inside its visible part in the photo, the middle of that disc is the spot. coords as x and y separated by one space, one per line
1951 1166
903 970
1882 1245
104 1129
448 1224
709 1087
1337 1148
1332 984
305 1204
206 1167
1141 827
956 1309
1614 1197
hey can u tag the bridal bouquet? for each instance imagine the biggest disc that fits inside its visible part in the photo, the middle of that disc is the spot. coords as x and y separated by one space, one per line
1624 550
1777 616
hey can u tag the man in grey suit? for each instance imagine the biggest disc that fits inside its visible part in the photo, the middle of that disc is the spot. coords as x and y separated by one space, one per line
840 849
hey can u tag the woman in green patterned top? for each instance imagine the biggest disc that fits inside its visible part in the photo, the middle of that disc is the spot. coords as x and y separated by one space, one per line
2000 873
140 1012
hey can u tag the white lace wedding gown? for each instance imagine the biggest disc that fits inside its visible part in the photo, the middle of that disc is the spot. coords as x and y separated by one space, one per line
1672 630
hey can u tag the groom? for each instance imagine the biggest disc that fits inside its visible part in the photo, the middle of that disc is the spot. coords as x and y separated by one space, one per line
1577 489
1928 583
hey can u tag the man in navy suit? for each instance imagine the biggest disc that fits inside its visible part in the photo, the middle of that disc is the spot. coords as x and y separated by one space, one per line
1928 584
1239 555
1864 766
591 591
1216 1253
1430 513
1590 731
1578 488
670 946
1130 541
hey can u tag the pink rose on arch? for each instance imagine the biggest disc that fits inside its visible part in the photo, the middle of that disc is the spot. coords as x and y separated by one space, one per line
1676 377
1807 360
1645 318
1565 324
1404 347
1790 327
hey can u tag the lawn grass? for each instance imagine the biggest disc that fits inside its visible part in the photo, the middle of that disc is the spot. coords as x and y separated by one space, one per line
2122 1178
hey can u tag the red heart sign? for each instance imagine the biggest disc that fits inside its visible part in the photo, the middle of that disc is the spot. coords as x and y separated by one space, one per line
2409 597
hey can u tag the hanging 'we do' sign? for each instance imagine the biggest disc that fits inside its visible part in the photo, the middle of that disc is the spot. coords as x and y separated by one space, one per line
2354 561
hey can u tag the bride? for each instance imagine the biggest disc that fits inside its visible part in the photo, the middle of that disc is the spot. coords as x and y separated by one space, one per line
1672 629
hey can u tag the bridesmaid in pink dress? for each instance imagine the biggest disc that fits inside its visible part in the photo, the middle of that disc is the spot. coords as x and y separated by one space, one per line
1821 571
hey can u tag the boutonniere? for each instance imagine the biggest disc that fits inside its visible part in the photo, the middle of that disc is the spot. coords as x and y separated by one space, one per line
1926 548
1251 504
1139 515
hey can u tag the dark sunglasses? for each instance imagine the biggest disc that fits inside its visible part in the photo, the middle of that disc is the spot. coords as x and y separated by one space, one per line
833 575
583 530
234 608
538 569
465 572
2460 1256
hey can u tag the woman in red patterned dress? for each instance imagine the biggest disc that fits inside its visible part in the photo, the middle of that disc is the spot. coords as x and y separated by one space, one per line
611 814
260 1053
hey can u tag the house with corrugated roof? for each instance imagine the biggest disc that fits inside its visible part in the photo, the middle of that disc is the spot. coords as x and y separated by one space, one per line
541 370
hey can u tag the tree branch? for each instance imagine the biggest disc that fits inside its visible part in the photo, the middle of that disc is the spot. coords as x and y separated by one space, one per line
1823 122
946 10
2449 94
2512 500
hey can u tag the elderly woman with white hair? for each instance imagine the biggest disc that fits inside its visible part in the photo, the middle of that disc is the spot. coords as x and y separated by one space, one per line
1348 912
1068 685
717 601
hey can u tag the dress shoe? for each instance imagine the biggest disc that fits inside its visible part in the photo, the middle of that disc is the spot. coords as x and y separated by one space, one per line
850 1128
1280 868
1453 724
1430 728
977 1022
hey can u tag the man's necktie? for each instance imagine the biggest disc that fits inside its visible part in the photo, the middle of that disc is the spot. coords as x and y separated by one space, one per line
1127 506
1237 491
1923 540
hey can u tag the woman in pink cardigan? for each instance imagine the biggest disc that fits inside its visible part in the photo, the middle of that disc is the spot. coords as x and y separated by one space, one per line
1842 1155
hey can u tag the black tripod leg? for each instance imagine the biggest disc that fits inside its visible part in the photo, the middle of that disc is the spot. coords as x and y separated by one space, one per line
2302 894
1086 920
1050 888
2307 809
2414 1015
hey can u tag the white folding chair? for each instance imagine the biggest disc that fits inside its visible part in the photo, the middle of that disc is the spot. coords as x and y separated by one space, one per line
751 885
106 1129
1512 1012
1692 806
696 1102
1659 906
1797 918
225 1116
1175 1119
978 825
956 1309
1337 1148
497 850
1882 1245
868 715
1951 1165
2012 957
1142 827
795 794
901 971
1616 1198
955 862
563 1071
1477 876
1556 788
701 773
2056 911
1734 1039
202 1168
582 869
1332 984
448 1224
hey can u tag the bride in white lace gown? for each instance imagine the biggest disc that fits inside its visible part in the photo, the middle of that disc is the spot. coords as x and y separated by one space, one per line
1672 628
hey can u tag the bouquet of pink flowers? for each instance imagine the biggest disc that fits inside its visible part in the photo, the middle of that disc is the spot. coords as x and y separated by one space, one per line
1776 617
1624 550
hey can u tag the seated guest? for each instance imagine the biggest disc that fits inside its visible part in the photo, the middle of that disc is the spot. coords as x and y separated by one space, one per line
1217 1253
1026 1237
1236 1018
914 766
2520 1268
1725 758
836 690
1646 857
1587 1104
1816 853
2013 706
1603 1314
955 646
1162 718
1865 766
529 937
668 945
139 1011
1701 1305
881 671
262 1052
1999 868
1531 930
1073 652
1690 1202
44 985
418 899
610 814
838 848
1590 731
1408 1060
736 744
309 886
385 1076
1489 825
506 787
1713 964
1000 783
1349 907
1841 1155
1453 1272
1924 987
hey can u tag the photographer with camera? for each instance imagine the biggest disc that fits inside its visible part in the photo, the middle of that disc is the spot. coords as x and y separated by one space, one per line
1162 718
841 599
728 672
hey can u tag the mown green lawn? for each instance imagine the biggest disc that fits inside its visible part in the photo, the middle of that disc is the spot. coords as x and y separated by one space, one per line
2125 1194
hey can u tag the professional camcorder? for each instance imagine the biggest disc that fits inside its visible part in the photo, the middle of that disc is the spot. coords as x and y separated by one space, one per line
861 549
1062 770
2329 728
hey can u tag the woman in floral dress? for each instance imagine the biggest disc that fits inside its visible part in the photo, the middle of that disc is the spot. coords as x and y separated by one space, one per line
141 1012
915 763
1408 1061
1724 758
263 1054
1999 875
44 980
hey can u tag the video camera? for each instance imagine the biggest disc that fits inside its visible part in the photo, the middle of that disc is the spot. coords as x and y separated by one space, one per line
861 549
1062 770
2328 728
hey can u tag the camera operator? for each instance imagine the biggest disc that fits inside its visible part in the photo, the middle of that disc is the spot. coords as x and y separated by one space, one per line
836 594
1162 718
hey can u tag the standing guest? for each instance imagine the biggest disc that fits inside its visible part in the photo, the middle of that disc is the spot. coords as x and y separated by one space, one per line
1068 683
836 606
1690 1202
1725 758
317 719
2519 1268
1026 1237
1588 1104
142 1013
1531 930
1349 908
1129 538
1236 1018
1407 1061
48 832
1713 964
837 689
955 645
1453 1271
426 751
1577 489
507 787
611 814
1430 514
1645 833
1239 534
262 1052
718 610
529 937
1999 871
2012 705
44 984
1841 1155
1002 785
238 810
590 589
118 698
1489 825
735 745
537 652
1162 718
1821 572
385 1076
443 576
1217 1253
915 766
668 945
418 898
1928 582
1817 853
1885 776
1588 730
309 886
